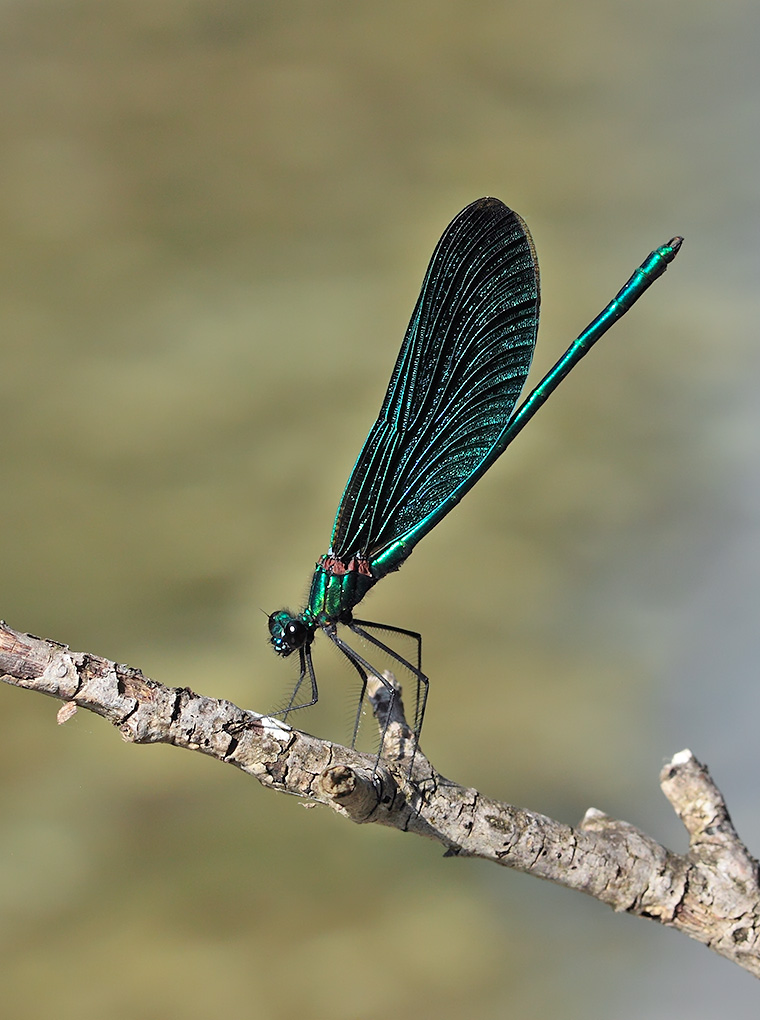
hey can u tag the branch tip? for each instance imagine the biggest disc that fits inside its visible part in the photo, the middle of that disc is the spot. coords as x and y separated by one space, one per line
682 757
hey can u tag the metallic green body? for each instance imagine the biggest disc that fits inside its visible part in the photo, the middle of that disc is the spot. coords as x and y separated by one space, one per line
336 588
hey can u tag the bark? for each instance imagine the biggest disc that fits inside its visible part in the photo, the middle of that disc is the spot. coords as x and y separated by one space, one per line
710 893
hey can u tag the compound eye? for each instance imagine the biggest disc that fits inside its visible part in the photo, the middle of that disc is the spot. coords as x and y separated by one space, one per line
296 633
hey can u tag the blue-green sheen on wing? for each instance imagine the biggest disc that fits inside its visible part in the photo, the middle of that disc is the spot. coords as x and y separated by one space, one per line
459 373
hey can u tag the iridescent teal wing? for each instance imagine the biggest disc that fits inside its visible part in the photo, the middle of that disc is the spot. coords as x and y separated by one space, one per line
459 373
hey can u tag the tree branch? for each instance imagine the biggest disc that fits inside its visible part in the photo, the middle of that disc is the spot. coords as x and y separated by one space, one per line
712 893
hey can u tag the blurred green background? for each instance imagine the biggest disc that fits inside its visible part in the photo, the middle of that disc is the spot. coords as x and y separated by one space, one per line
215 219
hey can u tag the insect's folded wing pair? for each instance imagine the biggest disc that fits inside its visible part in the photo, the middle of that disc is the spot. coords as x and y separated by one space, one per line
460 370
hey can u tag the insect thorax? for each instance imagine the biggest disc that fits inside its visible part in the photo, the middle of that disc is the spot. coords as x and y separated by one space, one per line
336 587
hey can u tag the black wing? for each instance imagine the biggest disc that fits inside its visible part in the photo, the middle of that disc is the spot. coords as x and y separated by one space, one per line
459 373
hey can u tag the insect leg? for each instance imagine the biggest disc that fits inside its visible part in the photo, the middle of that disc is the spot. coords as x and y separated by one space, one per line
306 669
423 683
365 670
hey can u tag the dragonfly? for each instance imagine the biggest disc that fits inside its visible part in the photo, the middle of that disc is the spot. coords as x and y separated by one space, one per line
448 415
